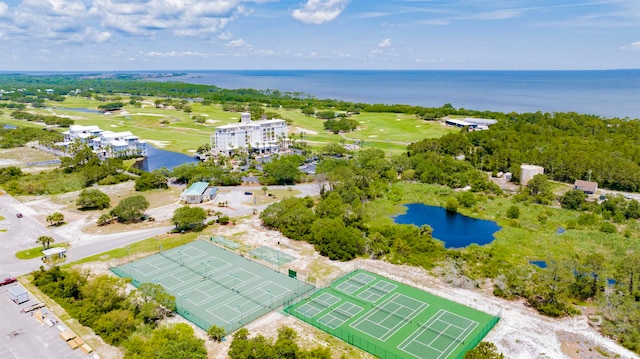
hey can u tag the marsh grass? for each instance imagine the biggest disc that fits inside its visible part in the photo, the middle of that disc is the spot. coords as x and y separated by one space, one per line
520 240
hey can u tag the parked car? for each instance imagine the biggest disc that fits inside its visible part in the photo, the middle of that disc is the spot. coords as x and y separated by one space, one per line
19 215
8 281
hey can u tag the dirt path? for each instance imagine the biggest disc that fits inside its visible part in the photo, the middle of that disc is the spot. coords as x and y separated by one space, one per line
521 333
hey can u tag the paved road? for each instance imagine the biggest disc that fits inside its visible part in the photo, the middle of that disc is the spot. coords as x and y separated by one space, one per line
36 340
21 233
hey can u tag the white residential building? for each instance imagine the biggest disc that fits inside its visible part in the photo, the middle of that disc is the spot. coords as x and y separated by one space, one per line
105 143
262 135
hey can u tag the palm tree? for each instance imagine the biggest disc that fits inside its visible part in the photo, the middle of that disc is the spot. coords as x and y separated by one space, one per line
55 218
45 241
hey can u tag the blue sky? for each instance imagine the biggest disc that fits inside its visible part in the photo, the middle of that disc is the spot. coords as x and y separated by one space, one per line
115 35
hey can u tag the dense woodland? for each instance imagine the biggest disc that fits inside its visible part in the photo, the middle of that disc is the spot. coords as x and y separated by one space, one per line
120 317
344 222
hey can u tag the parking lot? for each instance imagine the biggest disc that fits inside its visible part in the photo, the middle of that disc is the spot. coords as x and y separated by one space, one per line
24 337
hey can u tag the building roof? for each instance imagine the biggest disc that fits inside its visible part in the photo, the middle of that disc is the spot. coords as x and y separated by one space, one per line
111 134
75 128
481 121
586 185
531 167
459 122
54 251
17 290
197 188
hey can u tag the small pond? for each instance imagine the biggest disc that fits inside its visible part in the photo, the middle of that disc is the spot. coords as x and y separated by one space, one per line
539 264
543 264
78 109
157 158
454 229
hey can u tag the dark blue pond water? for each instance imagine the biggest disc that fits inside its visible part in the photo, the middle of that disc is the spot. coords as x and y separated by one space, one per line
157 158
454 229
539 264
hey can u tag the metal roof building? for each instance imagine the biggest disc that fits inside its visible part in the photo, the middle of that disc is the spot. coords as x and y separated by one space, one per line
195 193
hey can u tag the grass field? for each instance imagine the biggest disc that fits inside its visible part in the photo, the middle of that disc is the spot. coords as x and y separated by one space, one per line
391 320
36 251
386 131
214 286
520 240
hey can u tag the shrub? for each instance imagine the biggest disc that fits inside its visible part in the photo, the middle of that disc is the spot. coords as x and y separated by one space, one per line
452 205
513 212
607 227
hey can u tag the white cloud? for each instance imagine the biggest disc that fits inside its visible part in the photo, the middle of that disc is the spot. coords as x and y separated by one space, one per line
632 46
4 9
238 43
175 54
225 36
90 35
319 11
385 43
435 22
502 14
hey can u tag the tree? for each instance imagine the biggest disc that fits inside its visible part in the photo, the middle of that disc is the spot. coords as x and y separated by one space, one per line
156 179
55 219
283 170
45 241
451 205
484 350
130 209
308 110
92 198
111 106
105 219
513 212
115 326
185 218
174 341
216 333
573 199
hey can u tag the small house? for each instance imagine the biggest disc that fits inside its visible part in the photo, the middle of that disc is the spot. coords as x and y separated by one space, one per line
18 294
54 253
195 193
586 186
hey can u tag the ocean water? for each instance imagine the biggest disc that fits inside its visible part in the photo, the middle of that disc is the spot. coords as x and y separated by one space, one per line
608 93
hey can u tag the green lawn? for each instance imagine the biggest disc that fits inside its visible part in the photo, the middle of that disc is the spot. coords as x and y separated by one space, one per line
36 251
520 240
387 131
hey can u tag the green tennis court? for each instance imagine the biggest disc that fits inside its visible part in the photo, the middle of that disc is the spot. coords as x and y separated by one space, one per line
392 320
213 285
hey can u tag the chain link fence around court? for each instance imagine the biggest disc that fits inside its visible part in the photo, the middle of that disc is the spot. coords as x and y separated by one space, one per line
255 306
377 349
370 347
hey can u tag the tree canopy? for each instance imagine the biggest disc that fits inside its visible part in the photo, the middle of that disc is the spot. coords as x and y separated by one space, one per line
92 198
186 218
130 209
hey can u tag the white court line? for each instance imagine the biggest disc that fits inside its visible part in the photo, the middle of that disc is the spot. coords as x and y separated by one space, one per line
380 308
426 326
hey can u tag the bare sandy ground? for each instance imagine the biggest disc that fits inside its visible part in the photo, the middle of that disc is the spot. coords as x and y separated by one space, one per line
520 334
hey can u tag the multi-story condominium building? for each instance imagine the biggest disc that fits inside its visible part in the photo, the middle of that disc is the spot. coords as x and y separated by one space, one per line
262 136
105 143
